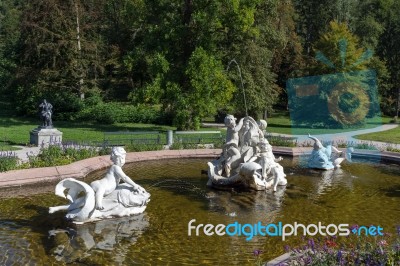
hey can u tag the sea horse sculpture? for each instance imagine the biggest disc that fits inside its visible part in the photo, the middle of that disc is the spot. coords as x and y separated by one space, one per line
104 198
328 157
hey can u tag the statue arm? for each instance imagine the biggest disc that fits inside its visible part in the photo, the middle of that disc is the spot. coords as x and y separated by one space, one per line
127 179
238 126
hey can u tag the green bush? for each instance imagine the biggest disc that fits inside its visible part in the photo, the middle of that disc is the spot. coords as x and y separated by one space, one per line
109 113
8 161
60 155
143 147
281 141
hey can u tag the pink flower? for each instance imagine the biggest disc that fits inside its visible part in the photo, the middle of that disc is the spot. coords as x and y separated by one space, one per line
382 243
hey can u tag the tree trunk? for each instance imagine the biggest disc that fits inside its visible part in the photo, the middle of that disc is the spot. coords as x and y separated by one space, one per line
80 83
398 102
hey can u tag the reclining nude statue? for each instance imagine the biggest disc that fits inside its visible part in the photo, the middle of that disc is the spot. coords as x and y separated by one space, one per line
246 159
104 198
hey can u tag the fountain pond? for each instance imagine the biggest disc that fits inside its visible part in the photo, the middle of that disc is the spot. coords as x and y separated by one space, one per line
358 193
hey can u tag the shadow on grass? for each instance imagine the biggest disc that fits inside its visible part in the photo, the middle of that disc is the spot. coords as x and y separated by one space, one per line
277 125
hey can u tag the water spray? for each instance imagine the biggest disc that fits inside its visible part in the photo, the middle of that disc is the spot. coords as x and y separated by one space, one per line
241 80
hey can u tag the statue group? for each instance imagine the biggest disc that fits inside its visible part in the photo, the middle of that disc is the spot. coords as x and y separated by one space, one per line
247 159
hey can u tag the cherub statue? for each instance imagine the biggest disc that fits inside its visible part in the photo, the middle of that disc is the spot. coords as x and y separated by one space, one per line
262 125
107 184
231 154
265 157
104 198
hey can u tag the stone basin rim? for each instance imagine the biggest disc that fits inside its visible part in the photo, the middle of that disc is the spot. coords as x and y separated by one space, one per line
80 169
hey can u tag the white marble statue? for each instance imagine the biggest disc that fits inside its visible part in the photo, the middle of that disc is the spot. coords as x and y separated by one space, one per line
231 154
247 158
262 125
104 198
265 157
326 158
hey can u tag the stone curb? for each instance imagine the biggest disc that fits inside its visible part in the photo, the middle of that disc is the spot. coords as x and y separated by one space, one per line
82 168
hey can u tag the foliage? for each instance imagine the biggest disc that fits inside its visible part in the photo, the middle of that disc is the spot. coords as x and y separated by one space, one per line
281 141
8 161
54 155
182 146
143 147
356 250
341 48
210 88
177 53
113 112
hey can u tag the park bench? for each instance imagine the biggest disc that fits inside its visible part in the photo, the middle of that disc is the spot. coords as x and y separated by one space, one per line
121 138
198 137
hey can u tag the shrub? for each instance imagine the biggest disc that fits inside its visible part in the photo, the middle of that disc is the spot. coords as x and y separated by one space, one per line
392 149
8 161
355 250
143 147
281 141
60 155
109 113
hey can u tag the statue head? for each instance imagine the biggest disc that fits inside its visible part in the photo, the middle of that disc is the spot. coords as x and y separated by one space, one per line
230 121
264 146
262 124
118 155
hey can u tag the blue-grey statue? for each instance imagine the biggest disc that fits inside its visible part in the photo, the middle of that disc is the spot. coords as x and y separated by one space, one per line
326 158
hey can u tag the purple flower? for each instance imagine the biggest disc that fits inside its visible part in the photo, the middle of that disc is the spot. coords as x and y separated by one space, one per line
311 244
339 256
398 230
257 252
307 260
354 228
287 248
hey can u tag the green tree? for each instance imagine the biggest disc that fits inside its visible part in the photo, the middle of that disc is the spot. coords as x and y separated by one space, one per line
10 14
185 33
51 62
376 23
338 50
210 88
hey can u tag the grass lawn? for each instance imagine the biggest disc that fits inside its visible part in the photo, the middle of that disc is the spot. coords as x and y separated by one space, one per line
389 136
279 122
15 131
4 146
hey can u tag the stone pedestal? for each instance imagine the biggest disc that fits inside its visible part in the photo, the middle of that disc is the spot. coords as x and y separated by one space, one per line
45 136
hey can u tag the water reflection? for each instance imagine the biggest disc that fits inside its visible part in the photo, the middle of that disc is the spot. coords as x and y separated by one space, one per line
359 193
73 244
248 205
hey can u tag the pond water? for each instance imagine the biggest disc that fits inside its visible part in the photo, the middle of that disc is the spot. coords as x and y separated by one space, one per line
359 193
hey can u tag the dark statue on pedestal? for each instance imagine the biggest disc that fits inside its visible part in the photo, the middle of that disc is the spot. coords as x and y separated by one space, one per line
46 111
45 134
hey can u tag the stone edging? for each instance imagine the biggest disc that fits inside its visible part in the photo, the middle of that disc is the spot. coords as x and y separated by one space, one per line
82 168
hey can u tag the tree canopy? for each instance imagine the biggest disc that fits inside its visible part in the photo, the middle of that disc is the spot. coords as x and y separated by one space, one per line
178 54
